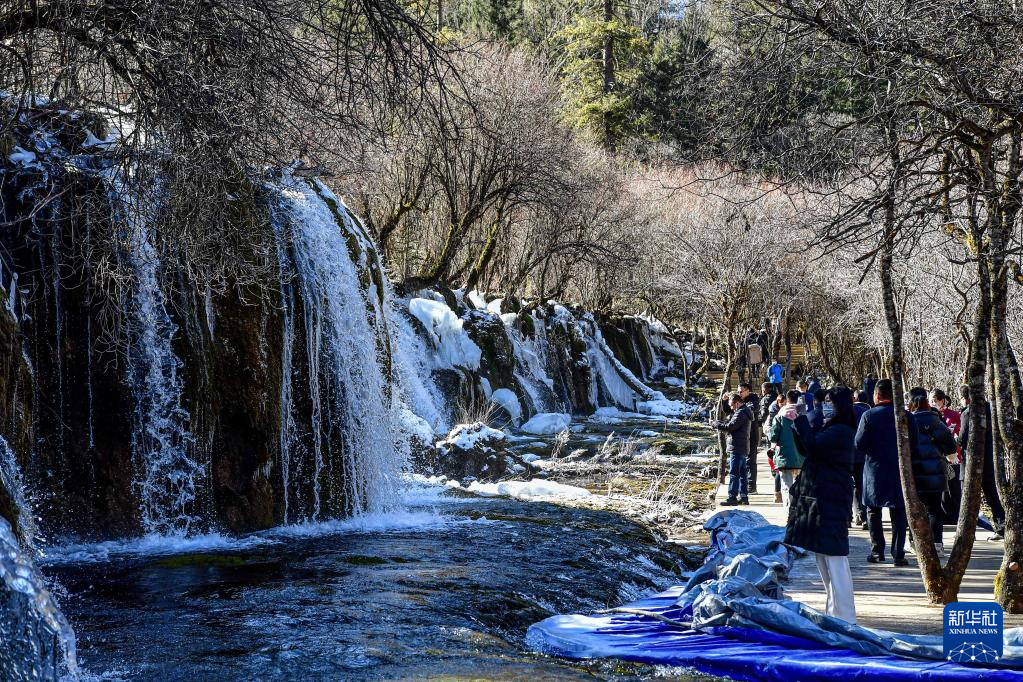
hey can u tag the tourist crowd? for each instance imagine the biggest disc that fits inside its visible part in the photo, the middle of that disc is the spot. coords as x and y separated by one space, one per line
834 458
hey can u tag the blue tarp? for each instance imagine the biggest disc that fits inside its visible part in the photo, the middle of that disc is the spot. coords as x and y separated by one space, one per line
744 628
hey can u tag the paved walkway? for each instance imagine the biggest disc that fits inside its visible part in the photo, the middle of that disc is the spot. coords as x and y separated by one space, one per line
887 597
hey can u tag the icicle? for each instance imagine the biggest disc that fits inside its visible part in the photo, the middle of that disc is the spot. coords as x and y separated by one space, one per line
88 378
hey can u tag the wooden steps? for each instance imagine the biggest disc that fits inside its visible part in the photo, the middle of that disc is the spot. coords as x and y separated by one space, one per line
798 358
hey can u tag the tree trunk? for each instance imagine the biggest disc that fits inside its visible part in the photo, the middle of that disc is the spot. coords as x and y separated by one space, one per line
788 358
489 248
923 540
726 387
1009 418
608 69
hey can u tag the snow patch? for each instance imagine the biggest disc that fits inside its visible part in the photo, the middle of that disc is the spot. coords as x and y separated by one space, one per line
535 489
506 398
547 422
468 436
453 345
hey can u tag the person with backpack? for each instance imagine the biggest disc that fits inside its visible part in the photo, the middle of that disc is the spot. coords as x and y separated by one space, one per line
772 414
788 460
738 430
818 513
930 468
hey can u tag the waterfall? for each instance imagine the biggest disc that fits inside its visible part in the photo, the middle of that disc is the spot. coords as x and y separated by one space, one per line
36 641
13 482
531 369
287 432
413 371
611 379
357 450
169 476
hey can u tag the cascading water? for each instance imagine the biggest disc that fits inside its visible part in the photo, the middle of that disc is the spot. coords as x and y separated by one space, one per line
36 641
612 382
357 451
531 369
413 374
169 475
12 481
287 432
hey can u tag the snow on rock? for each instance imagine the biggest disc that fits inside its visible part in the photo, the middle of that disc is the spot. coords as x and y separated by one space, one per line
506 398
662 407
453 345
477 452
535 489
469 436
674 381
547 422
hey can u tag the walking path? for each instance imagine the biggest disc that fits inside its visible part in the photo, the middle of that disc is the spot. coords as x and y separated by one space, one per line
887 597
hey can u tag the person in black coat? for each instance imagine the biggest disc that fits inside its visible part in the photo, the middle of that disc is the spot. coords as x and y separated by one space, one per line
821 498
877 439
869 386
816 416
934 443
752 401
990 485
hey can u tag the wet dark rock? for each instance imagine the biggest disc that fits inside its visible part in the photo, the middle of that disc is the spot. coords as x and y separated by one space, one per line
478 452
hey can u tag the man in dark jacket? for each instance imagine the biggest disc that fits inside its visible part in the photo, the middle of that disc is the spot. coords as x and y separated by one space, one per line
989 483
860 408
816 416
877 438
738 430
869 384
752 401
806 397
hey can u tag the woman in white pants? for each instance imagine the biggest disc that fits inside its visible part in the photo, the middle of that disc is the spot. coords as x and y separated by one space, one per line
822 497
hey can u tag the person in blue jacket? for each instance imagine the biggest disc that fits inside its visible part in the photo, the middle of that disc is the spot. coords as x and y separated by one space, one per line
806 398
776 375
819 512
816 416
877 438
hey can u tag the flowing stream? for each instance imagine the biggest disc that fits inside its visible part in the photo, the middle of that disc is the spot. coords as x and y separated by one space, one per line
445 589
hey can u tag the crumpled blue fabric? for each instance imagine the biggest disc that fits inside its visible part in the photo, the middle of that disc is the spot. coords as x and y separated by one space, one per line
743 627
